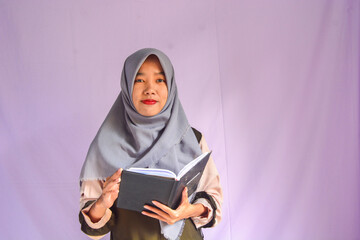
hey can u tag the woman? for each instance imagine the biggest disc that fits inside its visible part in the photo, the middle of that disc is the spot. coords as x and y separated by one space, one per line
146 127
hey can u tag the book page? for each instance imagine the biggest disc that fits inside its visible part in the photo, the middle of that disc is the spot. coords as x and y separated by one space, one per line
190 165
154 172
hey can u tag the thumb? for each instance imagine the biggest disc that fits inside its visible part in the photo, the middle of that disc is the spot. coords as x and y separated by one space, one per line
185 195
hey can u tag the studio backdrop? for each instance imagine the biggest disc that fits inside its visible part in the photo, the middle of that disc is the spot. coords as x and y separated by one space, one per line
272 85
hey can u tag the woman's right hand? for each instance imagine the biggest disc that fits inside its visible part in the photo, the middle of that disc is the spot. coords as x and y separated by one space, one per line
108 196
110 190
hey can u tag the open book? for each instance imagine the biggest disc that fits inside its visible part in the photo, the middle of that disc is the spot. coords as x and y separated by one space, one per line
140 186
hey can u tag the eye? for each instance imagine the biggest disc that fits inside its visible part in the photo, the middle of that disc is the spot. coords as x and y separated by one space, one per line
139 80
161 80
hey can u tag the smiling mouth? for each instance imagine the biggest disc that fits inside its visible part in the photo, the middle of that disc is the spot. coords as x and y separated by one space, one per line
149 101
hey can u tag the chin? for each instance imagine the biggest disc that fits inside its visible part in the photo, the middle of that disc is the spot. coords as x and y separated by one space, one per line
149 113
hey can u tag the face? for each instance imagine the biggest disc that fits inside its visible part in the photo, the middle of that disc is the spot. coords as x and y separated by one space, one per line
150 89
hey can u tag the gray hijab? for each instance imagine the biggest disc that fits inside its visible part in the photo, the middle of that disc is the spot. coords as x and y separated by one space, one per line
128 139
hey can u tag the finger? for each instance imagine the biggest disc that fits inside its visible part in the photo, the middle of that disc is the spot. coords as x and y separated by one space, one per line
111 186
153 215
115 184
114 187
157 211
111 194
114 178
184 196
114 194
106 182
117 174
164 208
116 181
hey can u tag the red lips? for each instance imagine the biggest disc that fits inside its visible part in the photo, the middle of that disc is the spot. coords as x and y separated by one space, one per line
149 101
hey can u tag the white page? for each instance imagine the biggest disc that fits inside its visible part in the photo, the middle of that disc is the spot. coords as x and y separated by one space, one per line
190 165
168 173
154 172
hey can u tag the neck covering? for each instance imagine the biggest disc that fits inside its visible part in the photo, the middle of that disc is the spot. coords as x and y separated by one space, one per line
128 139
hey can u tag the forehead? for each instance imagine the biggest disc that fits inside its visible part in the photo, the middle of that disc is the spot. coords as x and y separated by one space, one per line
151 60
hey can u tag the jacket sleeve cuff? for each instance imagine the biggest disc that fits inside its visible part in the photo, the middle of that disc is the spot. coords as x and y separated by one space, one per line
204 219
101 223
209 199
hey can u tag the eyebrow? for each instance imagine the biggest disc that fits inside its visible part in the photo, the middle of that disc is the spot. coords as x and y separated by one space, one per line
140 73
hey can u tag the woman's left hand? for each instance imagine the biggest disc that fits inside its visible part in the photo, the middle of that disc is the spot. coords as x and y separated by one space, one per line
170 216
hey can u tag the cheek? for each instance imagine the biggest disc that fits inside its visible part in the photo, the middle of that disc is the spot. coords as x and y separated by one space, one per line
135 94
165 95
133 98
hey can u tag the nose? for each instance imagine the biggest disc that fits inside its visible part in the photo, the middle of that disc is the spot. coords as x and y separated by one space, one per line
150 88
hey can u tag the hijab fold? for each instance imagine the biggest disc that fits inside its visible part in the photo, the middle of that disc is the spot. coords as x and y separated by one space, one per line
128 139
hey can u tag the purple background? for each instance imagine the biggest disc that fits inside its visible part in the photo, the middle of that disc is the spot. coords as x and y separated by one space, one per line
273 86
